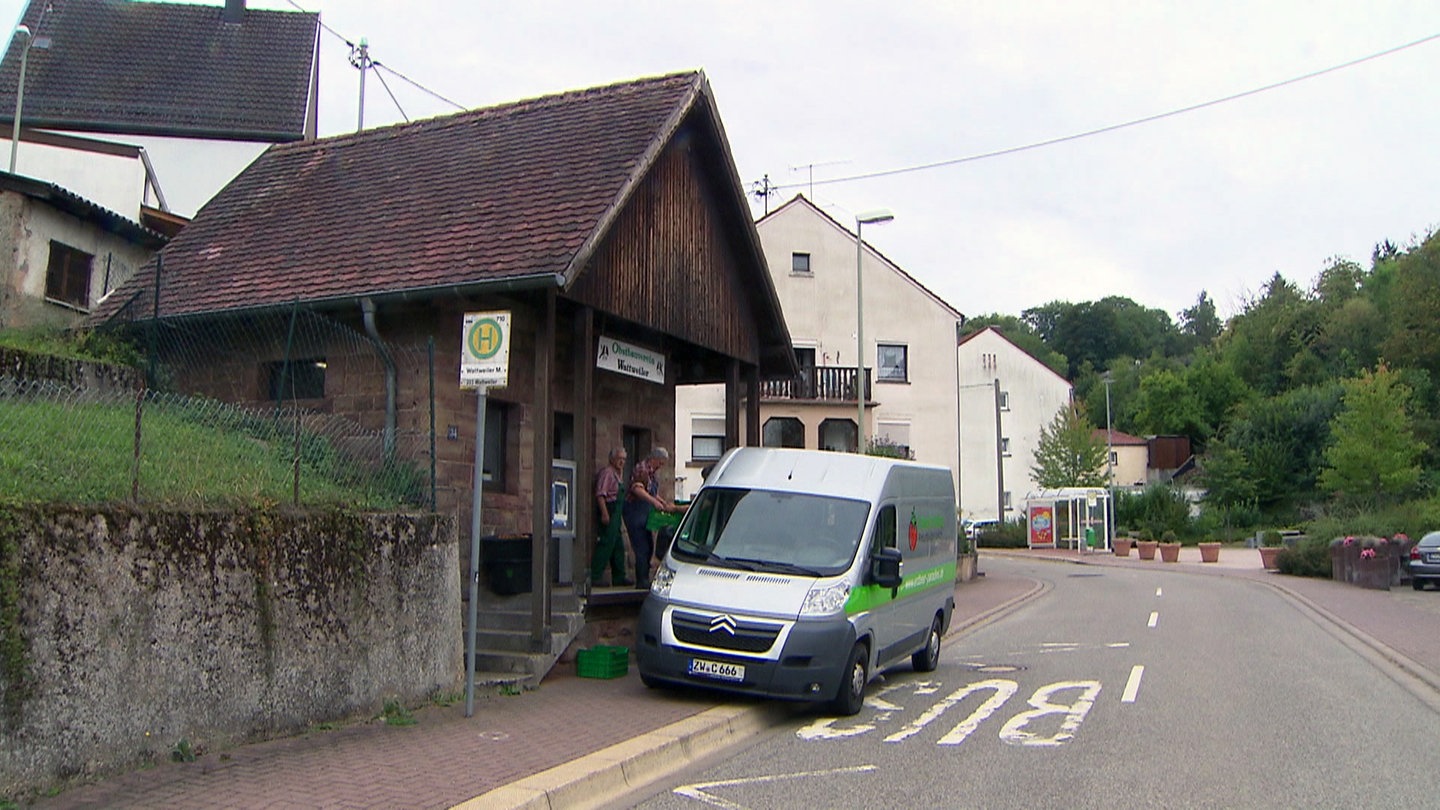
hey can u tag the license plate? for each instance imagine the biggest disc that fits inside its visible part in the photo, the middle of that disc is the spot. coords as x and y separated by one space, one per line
1432 558
717 670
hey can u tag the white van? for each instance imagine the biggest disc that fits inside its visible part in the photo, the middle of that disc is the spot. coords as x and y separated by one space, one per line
799 574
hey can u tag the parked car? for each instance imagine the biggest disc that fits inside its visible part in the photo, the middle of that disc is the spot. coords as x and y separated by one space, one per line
977 528
1425 561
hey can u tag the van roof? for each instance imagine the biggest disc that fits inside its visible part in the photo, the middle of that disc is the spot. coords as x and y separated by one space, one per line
820 472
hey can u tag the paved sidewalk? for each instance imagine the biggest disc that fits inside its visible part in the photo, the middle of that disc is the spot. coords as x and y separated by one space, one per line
572 741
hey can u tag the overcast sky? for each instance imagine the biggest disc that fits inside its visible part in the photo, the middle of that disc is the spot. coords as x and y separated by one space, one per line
1217 199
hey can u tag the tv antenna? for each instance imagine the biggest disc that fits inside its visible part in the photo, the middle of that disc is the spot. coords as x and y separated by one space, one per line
810 171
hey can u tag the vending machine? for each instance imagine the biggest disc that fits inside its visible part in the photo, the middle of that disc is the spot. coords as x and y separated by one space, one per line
563 503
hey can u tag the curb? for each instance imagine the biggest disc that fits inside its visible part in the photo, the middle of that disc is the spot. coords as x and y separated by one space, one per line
607 774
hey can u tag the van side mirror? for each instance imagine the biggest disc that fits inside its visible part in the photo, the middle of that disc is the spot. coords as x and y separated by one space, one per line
885 567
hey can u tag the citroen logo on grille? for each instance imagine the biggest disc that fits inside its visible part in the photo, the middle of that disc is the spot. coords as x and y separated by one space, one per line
723 623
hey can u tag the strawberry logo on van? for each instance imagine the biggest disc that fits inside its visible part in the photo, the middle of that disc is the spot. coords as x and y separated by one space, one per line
914 531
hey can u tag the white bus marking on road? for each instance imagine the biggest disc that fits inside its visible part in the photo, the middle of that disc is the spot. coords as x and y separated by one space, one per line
1132 686
1014 733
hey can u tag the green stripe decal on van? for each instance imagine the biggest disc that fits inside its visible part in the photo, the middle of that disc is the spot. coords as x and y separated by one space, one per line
869 597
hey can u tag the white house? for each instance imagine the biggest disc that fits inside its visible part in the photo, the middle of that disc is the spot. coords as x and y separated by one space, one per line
60 254
1007 397
909 352
154 104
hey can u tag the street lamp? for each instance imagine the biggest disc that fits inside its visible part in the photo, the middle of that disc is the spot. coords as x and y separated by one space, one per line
868 218
38 42
1109 461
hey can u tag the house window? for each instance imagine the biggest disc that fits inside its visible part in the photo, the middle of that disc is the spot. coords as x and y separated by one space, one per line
893 362
839 434
1114 457
783 431
68 278
497 431
896 436
296 379
1004 400
800 263
1007 501
1005 446
707 438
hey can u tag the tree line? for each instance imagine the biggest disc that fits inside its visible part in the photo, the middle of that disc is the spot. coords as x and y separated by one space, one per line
1308 403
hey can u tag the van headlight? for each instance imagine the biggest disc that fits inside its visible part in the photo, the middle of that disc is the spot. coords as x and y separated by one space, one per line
824 600
660 585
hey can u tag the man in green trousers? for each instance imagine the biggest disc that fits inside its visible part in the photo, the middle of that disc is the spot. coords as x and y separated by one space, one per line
609 548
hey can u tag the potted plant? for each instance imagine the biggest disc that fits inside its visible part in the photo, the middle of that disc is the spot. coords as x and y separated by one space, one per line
1210 551
1169 547
1270 548
1145 545
967 561
1122 543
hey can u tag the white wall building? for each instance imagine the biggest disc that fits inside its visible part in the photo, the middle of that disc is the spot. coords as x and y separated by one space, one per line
995 466
909 352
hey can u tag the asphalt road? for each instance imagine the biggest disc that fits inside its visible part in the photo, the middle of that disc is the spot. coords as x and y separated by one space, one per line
1115 688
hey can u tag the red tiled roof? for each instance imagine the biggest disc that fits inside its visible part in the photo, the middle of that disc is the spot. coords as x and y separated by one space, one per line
1121 439
492 195
164 69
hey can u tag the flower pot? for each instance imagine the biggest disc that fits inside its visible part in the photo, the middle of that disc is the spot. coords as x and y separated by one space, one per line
1170 552
1146 548
1122 547
965 567
1209 552
1269 555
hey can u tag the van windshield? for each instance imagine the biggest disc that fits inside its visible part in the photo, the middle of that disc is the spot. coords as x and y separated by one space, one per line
762 530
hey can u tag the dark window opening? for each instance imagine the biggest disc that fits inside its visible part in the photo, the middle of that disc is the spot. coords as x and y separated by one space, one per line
297 379
68 278
800 263
783 431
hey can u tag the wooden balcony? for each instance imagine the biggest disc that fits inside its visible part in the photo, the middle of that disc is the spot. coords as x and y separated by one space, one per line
819 384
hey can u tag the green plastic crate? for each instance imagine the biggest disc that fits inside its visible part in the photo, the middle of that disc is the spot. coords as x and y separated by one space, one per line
603 661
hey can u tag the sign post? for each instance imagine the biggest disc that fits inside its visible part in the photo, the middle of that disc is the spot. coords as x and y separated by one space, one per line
484 361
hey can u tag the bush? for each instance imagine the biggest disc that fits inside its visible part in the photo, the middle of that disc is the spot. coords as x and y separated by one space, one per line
1157 508
1003 535
1308 558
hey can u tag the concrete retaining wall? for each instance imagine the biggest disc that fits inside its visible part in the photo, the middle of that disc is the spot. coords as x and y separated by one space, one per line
124 632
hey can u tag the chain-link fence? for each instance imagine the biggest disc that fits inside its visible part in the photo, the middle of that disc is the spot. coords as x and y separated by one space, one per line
297 407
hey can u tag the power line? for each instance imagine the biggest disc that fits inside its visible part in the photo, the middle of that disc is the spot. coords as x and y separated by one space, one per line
1114 127
352 46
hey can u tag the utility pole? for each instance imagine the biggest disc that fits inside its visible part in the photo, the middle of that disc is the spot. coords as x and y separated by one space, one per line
360 58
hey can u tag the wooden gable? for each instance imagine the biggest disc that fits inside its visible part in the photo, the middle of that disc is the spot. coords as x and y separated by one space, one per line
673 262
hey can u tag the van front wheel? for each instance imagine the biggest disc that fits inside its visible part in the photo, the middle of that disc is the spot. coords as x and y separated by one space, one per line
928 658
851 694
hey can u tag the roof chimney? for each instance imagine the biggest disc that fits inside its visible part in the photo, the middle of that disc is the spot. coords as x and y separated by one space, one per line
234 11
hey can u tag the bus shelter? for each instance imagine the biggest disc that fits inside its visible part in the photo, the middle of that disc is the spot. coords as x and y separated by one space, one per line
1072 517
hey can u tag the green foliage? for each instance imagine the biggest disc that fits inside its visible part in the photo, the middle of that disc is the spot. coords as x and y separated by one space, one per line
882 446
1069 453
1308 558
1168 536
1169 405
1200 324
1008 534
1373 456
182 751
1282 439
1271 538
1155 510
78 345
1094 333
395 714
193 451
